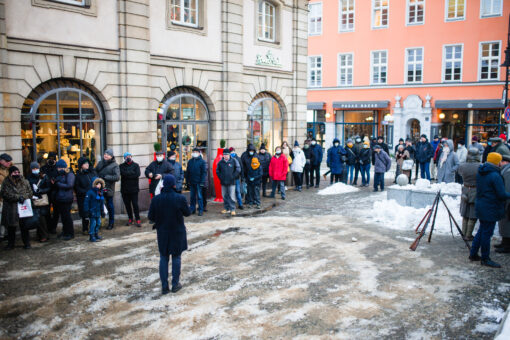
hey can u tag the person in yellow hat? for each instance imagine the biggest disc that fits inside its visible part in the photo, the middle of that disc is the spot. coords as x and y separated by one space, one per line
254 177
489 206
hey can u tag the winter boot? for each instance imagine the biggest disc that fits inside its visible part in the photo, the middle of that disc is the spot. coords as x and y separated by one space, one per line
129 222
92 238
490 263
85 226
504 246
96 235
474 258
470 227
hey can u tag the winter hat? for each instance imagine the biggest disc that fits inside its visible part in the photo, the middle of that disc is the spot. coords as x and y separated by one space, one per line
494 158
424 136
52 154
366 143
109 152
502 136
171 153
377 147
435 137
296 143
401 140
255 163
160 153
226 151
506 158
349 141
262 146
82 160
475 139
461 141
127 154
232 149
61 164
169 181
495 139
34 165
194 149
6 157
380 138
12 169
473 154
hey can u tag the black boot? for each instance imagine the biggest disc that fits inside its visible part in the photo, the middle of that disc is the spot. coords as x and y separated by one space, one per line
85 226
504 246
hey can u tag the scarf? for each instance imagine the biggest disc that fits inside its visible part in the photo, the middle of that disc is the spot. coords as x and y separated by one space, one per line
444 156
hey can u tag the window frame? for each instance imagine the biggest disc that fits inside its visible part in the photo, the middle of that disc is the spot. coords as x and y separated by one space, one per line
351 67
340 12
492 15
446 11
443 79
408 5
275 8
309 71
372 68
373 15
84 3
181 22
406 65
319 32
480 45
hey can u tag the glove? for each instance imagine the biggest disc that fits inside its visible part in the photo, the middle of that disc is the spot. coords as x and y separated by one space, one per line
252 179
21 199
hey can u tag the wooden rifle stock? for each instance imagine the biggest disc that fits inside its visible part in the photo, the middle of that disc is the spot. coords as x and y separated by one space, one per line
414 245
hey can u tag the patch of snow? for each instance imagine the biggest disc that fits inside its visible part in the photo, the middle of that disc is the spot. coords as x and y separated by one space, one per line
424 185
337 189
486 327
504 329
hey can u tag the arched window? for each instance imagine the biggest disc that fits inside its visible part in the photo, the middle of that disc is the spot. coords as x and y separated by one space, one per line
265 122
183 124
61 118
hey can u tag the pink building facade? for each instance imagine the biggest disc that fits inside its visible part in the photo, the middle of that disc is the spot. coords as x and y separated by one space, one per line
402 68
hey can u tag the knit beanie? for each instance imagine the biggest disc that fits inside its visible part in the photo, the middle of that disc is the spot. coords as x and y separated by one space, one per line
296 143
169 181
12 169
34 165
109 152
61 164
255 163
494 158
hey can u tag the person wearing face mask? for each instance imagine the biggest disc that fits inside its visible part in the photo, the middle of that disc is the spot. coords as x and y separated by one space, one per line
448 163
246 158
157 170
178 172
358 146
424 153
476 144
196 177
40 186
297 166
310 157
316 163
63 186
336 161
239 179
264 159
462 156
278 169
5 164
82 184
50 170
15 189
365 157
129 188
351 161
108 170
227 171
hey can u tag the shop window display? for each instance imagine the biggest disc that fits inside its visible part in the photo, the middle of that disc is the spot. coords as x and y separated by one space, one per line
265 123
350 124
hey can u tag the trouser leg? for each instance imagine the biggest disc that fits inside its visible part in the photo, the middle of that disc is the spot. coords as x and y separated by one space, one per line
111 210
176 269
470 227
204 197
126 198
193 197
256 194
163 271
11 235
64 209
42 229
465 221
273 188
487 228
25 234
136 208
282 188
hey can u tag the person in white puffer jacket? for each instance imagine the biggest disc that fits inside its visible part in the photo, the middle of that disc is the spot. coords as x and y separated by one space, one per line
297 166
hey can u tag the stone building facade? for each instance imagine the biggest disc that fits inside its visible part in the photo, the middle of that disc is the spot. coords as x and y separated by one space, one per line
80 76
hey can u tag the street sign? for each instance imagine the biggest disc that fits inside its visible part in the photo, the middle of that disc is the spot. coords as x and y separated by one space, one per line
507 114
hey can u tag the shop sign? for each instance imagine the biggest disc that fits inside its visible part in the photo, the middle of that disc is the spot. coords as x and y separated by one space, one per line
268 60
360 105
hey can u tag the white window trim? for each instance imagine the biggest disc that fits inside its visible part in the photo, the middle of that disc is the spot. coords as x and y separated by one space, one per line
181 21
407 14
340 30
322 19
422 65
338 68
492 15
480 60
264 22
446 19
372 15
310 69
372 67
443 73
71 2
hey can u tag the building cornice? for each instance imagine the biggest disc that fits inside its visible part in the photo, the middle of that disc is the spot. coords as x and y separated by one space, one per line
407 86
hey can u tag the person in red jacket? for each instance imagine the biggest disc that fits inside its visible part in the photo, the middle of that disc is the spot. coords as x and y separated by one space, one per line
278 169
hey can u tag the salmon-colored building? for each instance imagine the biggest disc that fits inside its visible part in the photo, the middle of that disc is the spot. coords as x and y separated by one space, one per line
402 68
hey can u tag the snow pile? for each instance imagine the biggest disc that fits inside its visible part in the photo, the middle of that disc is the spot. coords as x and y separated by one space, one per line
424 185
504 330
337 189
390 214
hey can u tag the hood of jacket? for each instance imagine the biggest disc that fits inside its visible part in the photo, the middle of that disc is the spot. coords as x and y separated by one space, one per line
336 140
98 180
488 168
450 144
251 147
83 160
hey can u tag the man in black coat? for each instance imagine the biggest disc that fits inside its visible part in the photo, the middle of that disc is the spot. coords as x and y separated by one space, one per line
63 186
82 184
227 170
50 170
424 153
264 159
129 188
168 210
108 170
157 170
196 174
310 158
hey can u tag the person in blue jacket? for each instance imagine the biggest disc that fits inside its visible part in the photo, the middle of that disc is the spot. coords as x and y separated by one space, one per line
489 206
336 161
196 176
424 152
316 163
93 207
178 173
168 210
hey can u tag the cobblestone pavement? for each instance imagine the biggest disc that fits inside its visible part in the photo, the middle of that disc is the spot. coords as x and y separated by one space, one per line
293 271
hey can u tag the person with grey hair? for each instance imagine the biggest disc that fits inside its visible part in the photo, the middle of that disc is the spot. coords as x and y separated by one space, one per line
108 170
468 171
447 164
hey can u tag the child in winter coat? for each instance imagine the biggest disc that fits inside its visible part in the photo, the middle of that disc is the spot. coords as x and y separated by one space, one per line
94 207
254 176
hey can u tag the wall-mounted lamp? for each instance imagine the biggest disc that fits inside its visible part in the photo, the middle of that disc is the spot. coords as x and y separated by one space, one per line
328 115
442 115
455 115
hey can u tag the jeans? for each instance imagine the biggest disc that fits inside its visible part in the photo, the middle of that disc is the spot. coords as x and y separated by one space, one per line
424 167
350 173
265 180
298 179
357 169
379 180
483 239
95 224
63 209
111 209
228 192
281 185
163 270
131 204
365 173
253 195
239 193
316 170
195 194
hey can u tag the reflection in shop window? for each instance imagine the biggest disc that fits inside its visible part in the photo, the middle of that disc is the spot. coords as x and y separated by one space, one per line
184 12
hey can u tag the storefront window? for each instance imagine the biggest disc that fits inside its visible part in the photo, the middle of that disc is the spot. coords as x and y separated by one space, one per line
486 124
453 125
350 124
66 121
265 123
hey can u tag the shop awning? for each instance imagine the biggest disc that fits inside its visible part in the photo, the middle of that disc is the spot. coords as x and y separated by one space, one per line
469 104
315 106
381 104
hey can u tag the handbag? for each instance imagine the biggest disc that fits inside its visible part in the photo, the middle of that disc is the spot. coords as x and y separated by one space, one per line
42 201
408 164
31 222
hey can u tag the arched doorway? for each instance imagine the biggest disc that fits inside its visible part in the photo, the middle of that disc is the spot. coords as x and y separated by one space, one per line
265 122
183 124
62 118
414 129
